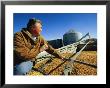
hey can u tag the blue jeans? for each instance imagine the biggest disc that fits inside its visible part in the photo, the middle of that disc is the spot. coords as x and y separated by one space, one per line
23 68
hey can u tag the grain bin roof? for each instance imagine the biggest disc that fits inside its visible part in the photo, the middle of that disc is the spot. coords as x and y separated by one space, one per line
72 31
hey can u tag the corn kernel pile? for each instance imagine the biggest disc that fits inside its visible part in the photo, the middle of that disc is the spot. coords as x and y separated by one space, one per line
82 69
52 65
89 57
34 73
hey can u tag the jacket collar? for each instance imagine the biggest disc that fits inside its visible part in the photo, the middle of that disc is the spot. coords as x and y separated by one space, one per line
26 32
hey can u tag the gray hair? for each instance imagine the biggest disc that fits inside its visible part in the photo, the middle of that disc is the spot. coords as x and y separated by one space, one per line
32 22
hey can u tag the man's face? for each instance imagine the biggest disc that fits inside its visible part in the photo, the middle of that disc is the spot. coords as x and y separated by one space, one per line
37 29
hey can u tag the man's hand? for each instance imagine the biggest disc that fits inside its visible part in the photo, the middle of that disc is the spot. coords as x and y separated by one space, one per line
44 47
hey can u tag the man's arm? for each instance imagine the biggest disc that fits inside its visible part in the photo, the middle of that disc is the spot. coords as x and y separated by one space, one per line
54 52
50 49
22 50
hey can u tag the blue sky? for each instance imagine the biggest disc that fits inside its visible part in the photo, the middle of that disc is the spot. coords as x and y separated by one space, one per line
56 24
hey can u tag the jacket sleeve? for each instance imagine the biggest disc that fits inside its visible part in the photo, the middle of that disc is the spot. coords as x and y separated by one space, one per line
54 52
50 49
22 50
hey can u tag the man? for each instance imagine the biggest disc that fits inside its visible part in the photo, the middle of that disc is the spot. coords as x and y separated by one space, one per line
27 45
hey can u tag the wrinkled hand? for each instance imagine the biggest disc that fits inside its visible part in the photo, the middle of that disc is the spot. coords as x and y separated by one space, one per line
43 48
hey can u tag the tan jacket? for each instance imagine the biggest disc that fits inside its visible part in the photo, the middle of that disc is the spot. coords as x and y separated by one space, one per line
25 48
